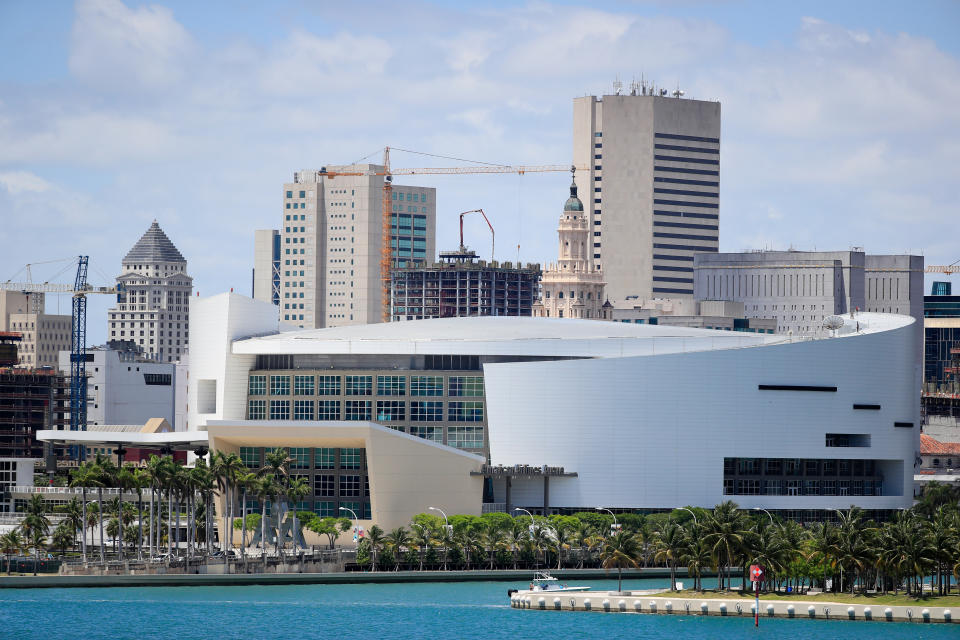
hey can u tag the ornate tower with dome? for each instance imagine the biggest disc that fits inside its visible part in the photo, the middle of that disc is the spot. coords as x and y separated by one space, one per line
572 287
154 309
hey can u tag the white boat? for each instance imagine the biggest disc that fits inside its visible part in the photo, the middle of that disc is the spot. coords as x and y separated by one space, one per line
543 581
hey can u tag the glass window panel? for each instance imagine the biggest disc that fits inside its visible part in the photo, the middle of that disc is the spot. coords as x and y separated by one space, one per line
391 385
465 411
279 409
303 409
351 458
258 386
358 410
303 385
426 385
279 385
325 458
257 410
391 410
466 386
328 385
426 411
359 385
465 437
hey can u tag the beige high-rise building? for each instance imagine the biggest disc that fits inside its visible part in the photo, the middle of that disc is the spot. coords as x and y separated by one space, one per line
154 309
331 239
653 188
573 287
44 336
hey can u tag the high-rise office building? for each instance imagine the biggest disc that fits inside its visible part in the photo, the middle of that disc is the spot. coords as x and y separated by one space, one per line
652 192
43 336
266 266
153 310
331 243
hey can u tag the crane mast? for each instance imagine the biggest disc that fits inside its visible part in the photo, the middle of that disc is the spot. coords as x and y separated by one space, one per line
78 350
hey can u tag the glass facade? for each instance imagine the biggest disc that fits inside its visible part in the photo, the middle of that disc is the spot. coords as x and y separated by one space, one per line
801 477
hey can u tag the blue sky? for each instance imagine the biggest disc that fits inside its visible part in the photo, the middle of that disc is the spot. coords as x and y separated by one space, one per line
840 119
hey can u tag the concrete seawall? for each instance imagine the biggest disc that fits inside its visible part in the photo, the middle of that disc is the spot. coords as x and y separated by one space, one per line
640 602
518 578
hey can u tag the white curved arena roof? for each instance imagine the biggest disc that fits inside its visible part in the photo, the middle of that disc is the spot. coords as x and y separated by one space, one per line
517 336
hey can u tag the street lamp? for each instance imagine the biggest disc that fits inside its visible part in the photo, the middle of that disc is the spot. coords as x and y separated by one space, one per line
690 511
765 511
446 531
356 530
532 524
608 511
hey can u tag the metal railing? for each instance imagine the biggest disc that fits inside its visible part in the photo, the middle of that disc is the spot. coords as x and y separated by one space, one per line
61 491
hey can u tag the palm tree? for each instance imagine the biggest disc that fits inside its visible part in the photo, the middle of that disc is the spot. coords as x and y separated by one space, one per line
670 544
422 539
64 536
245 481
36 537
398 539
82 477
266 489
375 539
73 513
101 472
725 536
227 468
11 543
696 556
140 480
620 550
154 473
562 541
297 489
495 539
122 480
36 516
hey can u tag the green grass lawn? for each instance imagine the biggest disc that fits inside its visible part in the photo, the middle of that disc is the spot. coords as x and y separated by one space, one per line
952 600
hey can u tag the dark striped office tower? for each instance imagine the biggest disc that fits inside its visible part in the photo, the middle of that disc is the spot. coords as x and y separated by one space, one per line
652 191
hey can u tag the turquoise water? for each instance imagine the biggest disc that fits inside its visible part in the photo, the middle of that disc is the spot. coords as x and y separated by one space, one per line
452 611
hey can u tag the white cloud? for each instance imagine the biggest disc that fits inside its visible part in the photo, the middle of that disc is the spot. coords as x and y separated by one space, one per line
17 182
117 48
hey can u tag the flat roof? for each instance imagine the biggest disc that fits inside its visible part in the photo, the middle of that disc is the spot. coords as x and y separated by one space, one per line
186 440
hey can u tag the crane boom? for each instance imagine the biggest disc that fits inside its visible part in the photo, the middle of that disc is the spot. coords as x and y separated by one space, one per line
386 250
493 237
948 269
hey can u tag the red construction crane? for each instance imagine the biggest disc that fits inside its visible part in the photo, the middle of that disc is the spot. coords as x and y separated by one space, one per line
493 238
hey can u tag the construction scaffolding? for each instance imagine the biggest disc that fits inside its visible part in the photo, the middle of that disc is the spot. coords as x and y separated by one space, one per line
460 285
30 400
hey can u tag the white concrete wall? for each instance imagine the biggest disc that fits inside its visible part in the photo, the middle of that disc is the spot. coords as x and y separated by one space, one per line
216 322
648 432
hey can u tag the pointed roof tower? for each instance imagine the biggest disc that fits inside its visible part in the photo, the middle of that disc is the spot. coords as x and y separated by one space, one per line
154 246
573 202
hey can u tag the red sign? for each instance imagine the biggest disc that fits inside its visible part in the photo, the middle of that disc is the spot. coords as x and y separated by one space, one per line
756 573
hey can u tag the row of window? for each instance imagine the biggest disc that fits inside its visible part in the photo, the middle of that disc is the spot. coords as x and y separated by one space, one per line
798 467
362 385
751 487
386 410
323 457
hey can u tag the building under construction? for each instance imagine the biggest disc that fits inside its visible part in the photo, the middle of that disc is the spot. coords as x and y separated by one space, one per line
460 285
941 376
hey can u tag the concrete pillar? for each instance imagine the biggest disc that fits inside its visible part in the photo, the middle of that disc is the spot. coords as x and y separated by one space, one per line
509 484
546 495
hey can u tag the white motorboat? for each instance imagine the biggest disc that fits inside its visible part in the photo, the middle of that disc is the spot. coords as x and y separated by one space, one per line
543 581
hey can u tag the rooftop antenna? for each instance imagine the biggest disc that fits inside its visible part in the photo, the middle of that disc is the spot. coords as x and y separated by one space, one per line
643 85
677 93
617 86
634 86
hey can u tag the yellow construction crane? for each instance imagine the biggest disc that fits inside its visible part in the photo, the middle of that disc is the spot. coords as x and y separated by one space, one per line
386 255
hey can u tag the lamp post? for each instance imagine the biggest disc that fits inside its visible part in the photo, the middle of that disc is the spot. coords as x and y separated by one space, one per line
690 511
446 533
532 524
615 526
765 511
356 529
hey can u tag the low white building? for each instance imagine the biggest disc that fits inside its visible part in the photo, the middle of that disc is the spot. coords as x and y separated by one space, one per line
124 388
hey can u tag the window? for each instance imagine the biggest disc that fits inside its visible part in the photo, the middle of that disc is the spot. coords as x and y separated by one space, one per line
279 409
391 385
303 409
465 437
466 386
250 456
391 410
279 385
325 509
350 486
258 386
748 487
324 458
325 486
328 385
303 385
350 458
426 385
300 458
359 386
465 412
328 409
428 433
257 410
358 410
427 411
